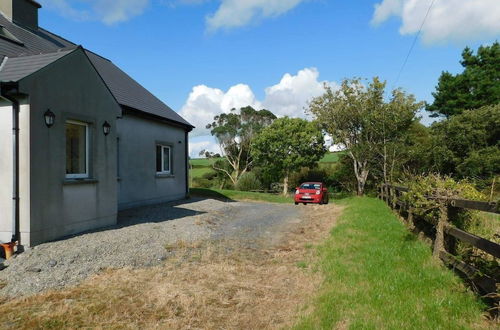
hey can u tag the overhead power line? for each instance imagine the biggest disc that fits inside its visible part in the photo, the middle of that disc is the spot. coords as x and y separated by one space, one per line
413 43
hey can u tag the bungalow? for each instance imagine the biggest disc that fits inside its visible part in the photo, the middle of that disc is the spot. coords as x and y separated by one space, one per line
79 138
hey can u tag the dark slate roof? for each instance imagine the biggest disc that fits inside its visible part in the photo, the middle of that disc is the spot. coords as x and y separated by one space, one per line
42 46
130 93
17 68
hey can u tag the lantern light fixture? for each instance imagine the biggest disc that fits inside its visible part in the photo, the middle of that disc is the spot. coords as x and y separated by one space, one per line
106 128
49 118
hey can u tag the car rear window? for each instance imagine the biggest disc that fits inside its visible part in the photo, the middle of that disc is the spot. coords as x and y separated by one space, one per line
310 186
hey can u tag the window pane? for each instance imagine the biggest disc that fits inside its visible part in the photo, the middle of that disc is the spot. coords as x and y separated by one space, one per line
166 159
76 149
158 159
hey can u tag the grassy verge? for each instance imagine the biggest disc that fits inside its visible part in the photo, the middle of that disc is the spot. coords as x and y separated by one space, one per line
240 195
379 276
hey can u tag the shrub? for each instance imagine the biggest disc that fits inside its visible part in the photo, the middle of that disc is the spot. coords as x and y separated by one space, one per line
210 175
422 187
248 182
201 183
437 186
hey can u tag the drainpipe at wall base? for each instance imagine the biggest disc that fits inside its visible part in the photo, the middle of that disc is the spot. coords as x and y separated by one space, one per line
8 91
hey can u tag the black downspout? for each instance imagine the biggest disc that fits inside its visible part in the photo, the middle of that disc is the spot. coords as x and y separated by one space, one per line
187 161
16 235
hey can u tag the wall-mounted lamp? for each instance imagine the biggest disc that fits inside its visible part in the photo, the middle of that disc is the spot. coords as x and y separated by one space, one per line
49 118
106 128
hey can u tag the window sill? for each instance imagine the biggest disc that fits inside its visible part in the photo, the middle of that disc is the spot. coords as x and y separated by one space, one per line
164 175
79 181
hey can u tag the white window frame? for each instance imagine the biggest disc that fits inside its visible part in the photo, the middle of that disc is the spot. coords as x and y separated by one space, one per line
162 146
87 149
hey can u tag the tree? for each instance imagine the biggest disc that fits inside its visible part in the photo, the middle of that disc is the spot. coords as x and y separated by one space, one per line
394 120
468 145
478 85
358 118
287 145
208 154
235 132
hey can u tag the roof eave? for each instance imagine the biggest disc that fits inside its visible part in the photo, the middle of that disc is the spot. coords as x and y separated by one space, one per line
129 110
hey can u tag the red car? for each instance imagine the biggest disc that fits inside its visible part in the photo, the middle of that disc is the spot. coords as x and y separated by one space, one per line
311 192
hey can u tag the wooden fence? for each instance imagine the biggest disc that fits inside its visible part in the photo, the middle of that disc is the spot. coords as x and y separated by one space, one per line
446 235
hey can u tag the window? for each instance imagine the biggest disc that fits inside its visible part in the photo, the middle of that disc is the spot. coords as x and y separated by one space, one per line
163 159
77 150
310 186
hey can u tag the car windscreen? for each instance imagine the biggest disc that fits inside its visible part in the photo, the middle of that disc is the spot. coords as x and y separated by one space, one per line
310 186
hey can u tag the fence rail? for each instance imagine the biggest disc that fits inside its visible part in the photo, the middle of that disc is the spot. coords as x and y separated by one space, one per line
447 235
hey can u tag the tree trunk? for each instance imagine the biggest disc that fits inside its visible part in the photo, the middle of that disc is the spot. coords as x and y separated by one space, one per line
362 182
285 185
361 172
385 163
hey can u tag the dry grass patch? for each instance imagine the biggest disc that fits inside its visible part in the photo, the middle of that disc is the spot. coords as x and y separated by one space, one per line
204 287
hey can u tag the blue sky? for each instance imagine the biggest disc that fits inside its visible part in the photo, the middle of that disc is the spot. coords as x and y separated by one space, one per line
202 57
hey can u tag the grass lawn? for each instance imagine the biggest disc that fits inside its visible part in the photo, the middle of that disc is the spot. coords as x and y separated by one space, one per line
379 276
240 195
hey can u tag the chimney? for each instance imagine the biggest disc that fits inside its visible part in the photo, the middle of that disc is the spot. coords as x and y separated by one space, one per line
21 12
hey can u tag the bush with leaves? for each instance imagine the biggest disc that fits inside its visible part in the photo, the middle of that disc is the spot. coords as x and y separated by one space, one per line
248 182
425 193
202 183
437 187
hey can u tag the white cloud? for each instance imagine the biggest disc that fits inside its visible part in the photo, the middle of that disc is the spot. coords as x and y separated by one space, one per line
449 20
238 13
287 98
202 143
106 11
205 102
291 94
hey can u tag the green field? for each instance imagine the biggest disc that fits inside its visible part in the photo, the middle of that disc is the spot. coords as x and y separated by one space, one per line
202 162
198 172
201 166
380 276
240 195
332 157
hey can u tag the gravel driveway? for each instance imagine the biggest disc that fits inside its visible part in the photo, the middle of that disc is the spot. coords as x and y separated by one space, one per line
140 240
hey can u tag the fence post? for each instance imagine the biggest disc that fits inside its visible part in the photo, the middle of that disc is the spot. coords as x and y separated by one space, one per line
442 222
394 197
450 242
411 225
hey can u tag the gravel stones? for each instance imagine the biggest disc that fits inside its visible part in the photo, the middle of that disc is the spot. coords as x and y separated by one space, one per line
141 239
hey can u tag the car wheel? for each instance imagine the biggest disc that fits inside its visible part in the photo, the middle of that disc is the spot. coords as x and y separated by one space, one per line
304 203
296 203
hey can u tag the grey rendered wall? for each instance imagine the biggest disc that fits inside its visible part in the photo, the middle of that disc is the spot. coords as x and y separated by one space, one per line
139 184
72 89
7 170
